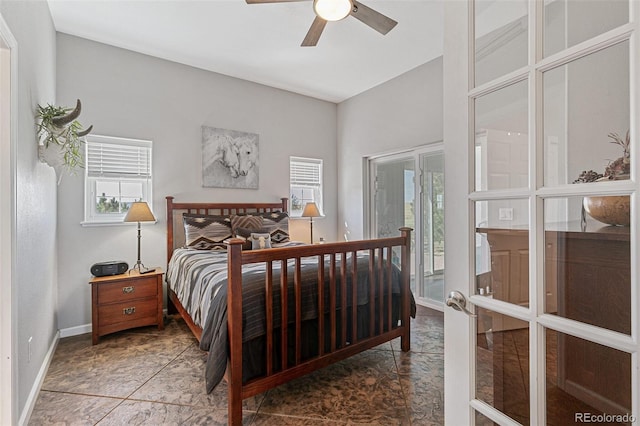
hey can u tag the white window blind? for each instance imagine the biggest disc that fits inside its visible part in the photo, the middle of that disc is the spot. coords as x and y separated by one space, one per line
113 158
305 172
117 174
305 178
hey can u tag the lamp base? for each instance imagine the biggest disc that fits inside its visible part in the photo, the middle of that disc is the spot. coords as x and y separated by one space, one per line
139 266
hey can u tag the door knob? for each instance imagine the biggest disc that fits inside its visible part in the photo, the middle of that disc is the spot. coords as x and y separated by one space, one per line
457 301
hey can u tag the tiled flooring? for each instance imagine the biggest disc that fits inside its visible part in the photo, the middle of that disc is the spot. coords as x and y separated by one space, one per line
152 377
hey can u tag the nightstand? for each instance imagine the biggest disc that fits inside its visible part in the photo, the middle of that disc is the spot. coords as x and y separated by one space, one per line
129 300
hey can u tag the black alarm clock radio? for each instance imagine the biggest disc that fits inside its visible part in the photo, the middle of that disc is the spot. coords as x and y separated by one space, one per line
115 267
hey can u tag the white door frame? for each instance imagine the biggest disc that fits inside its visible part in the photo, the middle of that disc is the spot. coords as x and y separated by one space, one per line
8 126
458 135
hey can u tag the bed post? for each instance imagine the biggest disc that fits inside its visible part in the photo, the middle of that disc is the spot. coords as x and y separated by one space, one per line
405 262
285 204
169 227
234 325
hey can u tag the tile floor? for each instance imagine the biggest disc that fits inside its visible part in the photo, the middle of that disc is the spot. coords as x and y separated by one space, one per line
151 377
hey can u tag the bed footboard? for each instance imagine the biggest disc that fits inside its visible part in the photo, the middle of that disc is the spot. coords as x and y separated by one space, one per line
340 330
343 333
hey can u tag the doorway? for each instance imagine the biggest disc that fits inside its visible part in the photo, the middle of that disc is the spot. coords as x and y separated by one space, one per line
407 189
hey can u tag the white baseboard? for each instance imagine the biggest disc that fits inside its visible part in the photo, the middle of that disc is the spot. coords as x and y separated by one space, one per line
37 384
74 331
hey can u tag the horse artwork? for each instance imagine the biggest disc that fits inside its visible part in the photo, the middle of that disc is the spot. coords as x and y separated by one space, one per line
229 158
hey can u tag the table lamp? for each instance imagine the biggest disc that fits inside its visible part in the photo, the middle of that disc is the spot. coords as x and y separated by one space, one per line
139 212
311 211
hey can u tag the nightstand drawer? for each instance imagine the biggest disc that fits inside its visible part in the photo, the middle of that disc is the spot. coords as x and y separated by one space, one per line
122 291
127 312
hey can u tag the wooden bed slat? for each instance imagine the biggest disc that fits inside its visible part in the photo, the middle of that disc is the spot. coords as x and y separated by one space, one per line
389 285
343 300
354 297
283 309
321 304
297 286
372 290
380 290
332 299
269 312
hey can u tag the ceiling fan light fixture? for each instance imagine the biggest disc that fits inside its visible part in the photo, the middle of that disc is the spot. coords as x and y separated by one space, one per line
332 10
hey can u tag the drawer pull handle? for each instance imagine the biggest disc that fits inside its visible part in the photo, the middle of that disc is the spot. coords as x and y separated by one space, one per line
127 290
129 311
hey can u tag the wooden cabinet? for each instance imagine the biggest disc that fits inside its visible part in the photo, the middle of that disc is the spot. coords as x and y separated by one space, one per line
594 287
120 302
587 277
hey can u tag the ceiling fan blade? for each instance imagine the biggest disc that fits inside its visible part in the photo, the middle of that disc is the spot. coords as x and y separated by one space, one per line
270 1
376 20
314 33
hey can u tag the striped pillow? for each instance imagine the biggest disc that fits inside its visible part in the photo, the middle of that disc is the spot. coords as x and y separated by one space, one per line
206 232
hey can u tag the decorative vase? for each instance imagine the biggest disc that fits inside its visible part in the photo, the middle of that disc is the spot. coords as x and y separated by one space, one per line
610 209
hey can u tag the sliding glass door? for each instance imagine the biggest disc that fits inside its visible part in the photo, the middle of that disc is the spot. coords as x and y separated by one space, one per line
407 189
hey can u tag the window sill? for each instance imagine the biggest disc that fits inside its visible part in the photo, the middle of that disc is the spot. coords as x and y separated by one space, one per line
305 218
90 224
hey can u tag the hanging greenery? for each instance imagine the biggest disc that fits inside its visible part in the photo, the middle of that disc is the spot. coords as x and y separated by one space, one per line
58 126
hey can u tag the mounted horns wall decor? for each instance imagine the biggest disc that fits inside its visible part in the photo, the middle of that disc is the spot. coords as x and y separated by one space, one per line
60 137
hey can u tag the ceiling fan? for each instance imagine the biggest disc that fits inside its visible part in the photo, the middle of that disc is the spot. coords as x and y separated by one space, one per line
335 10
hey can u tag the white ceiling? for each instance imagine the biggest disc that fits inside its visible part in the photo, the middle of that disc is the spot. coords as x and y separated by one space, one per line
261 42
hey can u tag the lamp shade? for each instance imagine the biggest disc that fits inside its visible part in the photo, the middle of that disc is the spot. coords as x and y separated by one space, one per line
311 210
139 212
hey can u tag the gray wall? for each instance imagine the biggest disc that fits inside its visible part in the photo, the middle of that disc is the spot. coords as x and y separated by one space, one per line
35 274
127 94
402 113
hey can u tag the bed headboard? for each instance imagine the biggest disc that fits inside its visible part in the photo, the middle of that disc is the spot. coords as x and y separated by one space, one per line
175 229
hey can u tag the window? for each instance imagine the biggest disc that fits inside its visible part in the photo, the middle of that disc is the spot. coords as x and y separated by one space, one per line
305 176
117 173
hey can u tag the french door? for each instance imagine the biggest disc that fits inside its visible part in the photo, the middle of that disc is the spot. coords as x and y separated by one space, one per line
407 189
542 251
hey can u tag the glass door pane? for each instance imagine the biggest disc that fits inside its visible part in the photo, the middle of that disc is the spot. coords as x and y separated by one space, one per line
394 200
569 22
432 189
394 196
586 382
501 138
502 364
587 116
501 31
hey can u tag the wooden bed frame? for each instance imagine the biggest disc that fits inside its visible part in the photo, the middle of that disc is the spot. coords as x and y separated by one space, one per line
380 271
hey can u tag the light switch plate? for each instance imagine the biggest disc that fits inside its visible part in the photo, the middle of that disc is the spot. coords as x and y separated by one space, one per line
505 213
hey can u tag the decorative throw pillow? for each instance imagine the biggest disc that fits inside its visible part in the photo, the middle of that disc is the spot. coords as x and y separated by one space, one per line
206 232
277 224
245 234
246 222
260 240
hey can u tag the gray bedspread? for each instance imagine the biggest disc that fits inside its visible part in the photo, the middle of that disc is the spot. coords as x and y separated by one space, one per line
199 279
